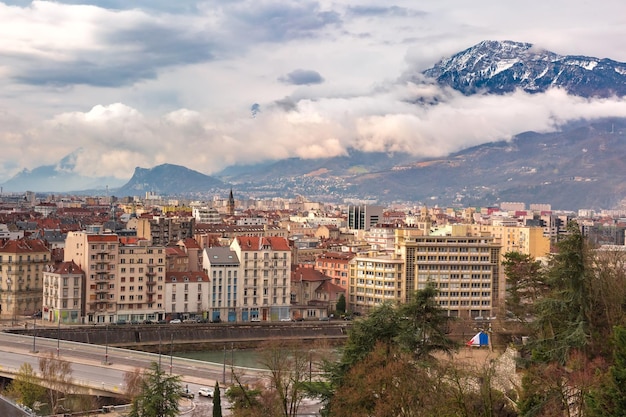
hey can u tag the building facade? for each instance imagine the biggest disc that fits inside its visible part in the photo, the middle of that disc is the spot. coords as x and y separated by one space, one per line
22 264
63 294
221 264
266 275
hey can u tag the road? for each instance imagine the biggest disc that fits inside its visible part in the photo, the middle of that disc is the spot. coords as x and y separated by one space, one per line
103 367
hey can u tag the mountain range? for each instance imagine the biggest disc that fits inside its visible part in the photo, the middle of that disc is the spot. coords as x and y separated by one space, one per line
582 165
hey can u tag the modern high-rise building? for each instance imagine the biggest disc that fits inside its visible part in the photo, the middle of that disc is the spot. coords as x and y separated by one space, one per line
363 217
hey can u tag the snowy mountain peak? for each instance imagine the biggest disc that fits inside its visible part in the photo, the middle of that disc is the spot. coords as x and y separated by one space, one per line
504 66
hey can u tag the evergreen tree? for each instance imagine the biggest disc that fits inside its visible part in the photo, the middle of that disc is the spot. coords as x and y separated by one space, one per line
341 304
217 401
159 394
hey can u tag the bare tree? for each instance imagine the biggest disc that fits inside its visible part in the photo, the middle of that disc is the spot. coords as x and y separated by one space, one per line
57 375
290 368
132 383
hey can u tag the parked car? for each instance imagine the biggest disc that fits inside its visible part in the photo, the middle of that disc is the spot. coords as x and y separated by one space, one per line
286 319
324 319
205 392
175 321
190 321
299 318
216 320
255 319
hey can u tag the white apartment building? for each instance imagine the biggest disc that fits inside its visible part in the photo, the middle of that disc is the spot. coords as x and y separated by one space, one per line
222 266
266 274
187 294
62 294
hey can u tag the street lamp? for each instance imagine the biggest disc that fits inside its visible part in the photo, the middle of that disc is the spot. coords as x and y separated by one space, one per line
58 333
106 344
171 349
34 333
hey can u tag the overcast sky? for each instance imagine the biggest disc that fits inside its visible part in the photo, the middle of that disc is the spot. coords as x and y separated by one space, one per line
207 84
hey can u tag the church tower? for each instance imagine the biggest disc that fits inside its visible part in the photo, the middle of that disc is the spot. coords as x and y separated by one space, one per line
231 203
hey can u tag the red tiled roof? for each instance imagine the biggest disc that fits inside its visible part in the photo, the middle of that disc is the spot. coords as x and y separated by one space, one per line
68 268
256 243
24 246
307 274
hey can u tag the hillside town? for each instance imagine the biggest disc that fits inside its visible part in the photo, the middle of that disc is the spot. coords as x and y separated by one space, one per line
103 260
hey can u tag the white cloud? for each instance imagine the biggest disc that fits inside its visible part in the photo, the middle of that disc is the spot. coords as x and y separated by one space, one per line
158 82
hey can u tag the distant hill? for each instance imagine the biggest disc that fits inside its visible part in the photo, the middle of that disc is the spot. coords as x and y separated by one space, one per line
582 166
502 67
168 179
57 178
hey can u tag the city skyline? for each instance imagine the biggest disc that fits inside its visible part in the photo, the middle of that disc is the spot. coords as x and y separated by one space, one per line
209 84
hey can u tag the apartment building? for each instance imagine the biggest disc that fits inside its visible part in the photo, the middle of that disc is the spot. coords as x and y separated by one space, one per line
375 278
97 256
22 263
265 271
335 265
221 264
187 294
313 295
163 230
63 297
140 280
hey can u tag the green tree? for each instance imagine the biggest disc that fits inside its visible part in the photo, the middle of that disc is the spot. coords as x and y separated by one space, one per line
25 387
341 304
217 401
159 394
564 314
525 284
424 326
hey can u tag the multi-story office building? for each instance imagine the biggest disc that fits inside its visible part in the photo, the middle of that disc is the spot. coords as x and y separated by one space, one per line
222 265
22 263
97 256
266 275
63 297
465 269
363 217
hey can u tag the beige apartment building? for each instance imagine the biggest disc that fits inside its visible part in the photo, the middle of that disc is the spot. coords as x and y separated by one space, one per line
375 278
465 270
140 281
124 277
22 263
96 255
